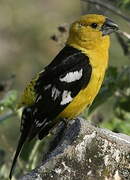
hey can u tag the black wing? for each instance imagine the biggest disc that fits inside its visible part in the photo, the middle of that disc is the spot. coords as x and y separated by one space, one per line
56 87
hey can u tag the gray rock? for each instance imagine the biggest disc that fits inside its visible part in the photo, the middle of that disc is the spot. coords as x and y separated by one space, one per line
86 152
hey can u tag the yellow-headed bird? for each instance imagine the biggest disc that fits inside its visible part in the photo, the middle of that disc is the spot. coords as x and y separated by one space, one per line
70 82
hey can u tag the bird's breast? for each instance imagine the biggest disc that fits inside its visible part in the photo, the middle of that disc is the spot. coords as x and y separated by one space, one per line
86 96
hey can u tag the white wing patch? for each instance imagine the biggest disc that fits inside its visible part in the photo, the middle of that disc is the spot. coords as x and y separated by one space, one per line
55 93
35 111
66 97
72 76
39 98
39 124
47 87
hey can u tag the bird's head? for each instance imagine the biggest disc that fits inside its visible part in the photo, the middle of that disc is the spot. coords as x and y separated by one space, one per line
91 29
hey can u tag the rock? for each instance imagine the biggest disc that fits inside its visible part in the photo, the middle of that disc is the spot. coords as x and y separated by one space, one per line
86 152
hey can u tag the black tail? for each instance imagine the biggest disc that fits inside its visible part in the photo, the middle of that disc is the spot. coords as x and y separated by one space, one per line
25 127
19 148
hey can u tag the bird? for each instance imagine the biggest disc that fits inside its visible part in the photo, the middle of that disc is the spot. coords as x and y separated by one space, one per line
70 83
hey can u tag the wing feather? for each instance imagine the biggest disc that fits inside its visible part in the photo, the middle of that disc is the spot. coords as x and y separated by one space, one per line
54 93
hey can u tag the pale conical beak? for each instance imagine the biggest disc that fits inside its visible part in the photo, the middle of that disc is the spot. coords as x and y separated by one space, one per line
109 27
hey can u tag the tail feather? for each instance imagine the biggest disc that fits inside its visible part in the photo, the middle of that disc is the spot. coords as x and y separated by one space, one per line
25 128
19 148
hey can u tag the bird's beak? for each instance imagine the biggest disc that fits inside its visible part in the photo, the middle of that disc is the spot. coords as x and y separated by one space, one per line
109 27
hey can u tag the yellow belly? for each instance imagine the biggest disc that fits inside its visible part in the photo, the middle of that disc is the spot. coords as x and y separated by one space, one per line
86 96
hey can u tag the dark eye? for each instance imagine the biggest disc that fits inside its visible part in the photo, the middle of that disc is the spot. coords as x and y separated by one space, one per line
94 25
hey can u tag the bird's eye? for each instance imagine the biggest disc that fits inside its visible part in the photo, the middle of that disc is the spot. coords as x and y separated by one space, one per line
94 25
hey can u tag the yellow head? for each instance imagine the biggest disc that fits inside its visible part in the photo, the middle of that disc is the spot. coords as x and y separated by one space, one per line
91 30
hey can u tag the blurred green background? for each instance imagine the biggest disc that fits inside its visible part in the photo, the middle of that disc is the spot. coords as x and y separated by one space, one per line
26 46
